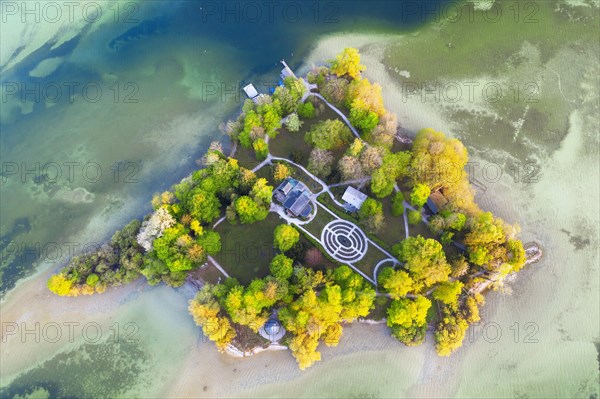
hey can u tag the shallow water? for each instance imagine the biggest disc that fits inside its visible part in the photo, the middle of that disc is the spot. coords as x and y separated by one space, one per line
548 325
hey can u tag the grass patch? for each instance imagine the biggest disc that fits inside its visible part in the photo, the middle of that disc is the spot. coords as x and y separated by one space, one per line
370 260
319 222
286 143
306 259
393 231
421 229
247 249
246 157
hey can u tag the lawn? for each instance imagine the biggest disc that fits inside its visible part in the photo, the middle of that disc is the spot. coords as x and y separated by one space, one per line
393 231
247 249
310 259
245 157
321 219
286 143
370 260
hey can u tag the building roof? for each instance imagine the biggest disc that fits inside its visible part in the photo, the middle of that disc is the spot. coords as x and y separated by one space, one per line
297 202
250 91
272 330
354 197
288 182
431 206
272 327
287 188
294 196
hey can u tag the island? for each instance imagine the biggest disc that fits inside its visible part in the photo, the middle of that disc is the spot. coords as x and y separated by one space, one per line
363 224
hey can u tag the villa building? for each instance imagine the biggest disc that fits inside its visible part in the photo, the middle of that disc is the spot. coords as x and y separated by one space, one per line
294 196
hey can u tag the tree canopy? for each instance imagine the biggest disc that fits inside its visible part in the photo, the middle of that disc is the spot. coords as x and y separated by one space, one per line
425 261
329 134
348 63
285 237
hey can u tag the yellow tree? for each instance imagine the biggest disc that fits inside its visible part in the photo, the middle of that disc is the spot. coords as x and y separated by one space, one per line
281 171
348 63
60 285
205 310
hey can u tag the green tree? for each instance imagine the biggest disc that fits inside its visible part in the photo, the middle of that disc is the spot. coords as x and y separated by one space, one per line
398 204
450 333
92 280
395 282
252 120
363 119
329 134
419 195
408 319
261 149
261 192
285 98
210 242
356 148
414 217
206 312
204 205
448 292
439 162
285 237
517 256
424 260
271 120
382 184
393 167
248 210
371 216
282 267
485 239
306 110
362 94
295 86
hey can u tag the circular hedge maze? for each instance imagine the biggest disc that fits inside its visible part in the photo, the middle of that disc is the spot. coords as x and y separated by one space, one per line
344 241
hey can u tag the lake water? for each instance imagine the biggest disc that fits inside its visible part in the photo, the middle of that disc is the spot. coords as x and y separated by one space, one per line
150 84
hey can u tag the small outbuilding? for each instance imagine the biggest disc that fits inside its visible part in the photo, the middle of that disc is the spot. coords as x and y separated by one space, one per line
250 91
431 207
272 330
353 199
